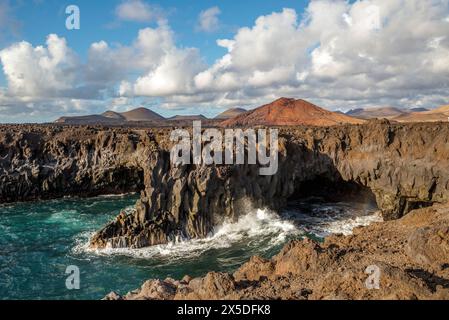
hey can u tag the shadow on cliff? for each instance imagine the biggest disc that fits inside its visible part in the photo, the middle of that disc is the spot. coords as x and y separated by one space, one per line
315 175
431 280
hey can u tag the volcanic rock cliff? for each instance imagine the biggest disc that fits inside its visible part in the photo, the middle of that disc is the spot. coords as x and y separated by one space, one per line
404 166
44 162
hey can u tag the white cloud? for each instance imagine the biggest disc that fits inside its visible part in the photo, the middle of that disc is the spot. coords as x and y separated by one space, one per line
165 69
39 71
137 10
173 75
337 54
208 20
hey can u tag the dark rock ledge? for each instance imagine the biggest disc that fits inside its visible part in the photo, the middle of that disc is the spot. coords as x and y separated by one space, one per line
403 166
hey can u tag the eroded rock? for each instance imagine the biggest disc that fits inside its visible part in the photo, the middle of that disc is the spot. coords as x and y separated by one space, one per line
373 263
404 166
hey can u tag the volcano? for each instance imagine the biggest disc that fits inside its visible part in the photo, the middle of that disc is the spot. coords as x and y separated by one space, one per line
290 112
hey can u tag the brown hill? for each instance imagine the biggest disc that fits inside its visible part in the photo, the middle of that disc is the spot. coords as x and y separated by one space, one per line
141 114
375 113
290 112
188 118
113 115
230 113
438 114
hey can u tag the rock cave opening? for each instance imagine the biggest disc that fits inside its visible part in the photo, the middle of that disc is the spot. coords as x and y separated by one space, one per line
325 205
126 180
332 189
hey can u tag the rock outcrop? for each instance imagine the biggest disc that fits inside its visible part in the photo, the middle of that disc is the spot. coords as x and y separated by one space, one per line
404 259
404 166
44 162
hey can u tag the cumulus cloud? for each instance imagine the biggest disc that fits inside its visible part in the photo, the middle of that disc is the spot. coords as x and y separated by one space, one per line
208 20
138 11
39 71
337 54
165 68
55 70
54 73
172 76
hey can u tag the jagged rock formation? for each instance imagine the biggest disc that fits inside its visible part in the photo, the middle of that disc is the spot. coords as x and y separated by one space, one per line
403 165
410 257
39 162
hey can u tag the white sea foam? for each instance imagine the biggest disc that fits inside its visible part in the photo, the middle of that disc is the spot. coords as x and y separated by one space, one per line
104 196
344 226
323 219
116 195
255 229
260 228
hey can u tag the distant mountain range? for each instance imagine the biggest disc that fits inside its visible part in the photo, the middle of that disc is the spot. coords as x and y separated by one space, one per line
403 115
143 115
282 112
439 114
385 112
112 117
188 118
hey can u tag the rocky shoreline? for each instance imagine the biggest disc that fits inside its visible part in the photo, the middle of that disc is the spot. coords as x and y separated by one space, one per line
411 255
402 167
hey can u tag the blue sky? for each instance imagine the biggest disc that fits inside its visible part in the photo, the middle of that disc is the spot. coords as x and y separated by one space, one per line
204 56
39 18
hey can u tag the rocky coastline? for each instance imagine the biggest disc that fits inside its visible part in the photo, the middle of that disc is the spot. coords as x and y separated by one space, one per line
410 255
402 167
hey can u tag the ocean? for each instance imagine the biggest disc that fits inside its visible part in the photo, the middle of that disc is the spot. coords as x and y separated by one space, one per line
39 240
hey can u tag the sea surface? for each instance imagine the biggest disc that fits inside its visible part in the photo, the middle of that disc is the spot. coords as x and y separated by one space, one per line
39 240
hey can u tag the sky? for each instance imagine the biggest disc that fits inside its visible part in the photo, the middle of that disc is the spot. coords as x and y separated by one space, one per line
205 56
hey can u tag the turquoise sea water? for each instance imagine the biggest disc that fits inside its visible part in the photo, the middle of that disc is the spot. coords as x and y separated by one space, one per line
39 240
